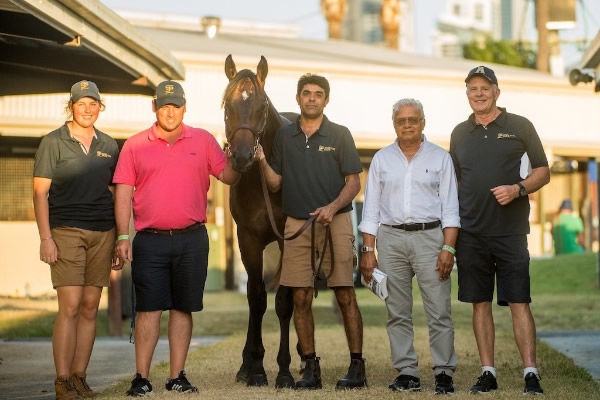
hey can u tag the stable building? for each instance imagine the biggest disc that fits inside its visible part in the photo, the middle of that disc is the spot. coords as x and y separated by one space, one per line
45 47
365 82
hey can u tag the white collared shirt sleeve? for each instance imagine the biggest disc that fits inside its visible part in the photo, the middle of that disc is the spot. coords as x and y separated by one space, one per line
371 206
449 194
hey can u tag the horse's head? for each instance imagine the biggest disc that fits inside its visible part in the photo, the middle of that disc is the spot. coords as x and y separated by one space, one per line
246 111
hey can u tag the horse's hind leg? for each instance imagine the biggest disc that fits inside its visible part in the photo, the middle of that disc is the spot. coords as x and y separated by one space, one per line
284 308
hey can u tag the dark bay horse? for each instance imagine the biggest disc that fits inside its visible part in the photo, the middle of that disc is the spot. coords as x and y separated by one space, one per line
250 119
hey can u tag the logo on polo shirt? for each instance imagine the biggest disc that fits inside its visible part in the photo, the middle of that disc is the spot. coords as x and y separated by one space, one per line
326 148
506 136
102 154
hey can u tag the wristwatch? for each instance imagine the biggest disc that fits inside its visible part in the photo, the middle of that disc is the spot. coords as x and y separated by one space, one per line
366 249
522 190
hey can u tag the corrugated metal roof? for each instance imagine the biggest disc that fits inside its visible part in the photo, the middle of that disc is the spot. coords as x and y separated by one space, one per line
340 52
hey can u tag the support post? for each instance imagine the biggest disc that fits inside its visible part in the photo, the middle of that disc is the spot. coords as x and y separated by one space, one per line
597 221
542 13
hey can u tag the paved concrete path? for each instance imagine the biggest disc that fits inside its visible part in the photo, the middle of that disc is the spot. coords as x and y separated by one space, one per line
583 347
27 367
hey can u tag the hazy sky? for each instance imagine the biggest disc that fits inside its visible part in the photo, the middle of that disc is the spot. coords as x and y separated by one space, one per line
307 14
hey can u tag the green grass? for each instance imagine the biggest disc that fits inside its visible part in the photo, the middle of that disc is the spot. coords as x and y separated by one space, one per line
565 297
564 291
565 274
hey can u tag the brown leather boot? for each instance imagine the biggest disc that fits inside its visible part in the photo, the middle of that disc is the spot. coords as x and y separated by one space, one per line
81 385
64 389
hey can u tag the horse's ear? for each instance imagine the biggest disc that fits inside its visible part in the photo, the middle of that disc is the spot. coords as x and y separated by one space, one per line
230 69
261 70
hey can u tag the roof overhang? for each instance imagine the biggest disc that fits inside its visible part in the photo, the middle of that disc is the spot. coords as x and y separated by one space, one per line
47 45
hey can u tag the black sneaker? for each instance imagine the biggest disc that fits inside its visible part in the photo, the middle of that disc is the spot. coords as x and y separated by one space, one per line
485 383
180 384
532 384
406 383
139 386
443 384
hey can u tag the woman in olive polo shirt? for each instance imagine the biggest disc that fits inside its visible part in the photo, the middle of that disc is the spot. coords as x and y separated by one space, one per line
74 210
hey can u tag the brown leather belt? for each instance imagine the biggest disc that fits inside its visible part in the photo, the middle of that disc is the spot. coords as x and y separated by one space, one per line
421 226
171 232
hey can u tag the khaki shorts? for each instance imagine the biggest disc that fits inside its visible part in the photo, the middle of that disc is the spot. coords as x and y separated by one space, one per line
84 257
297 270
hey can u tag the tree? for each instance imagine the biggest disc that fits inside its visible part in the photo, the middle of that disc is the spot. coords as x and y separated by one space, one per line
501 52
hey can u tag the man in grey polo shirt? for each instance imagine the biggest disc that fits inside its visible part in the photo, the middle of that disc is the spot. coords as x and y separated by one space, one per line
411 207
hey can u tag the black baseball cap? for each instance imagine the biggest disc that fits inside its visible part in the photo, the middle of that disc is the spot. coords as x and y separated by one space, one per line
169 92
84 89
484 71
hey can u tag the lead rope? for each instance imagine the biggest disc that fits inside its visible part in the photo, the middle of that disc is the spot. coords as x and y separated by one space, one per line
132 324
309 222
272 217
317 270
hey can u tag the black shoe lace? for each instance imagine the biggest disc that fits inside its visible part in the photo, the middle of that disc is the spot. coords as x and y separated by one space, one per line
443 379
532 380
486 380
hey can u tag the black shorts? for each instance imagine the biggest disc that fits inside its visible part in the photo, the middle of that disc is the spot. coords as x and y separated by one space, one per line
169 272
481 259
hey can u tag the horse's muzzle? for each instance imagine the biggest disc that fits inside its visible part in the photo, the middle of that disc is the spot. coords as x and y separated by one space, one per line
242 160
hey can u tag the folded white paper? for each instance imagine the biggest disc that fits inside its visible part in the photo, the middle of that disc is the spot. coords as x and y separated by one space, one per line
378 284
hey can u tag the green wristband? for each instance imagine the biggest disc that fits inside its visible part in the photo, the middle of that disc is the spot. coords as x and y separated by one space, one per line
449 249
122 237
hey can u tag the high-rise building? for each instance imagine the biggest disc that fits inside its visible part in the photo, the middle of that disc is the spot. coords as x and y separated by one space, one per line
464 21
362 23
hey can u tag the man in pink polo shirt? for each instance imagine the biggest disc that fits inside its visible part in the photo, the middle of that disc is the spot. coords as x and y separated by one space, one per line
164 172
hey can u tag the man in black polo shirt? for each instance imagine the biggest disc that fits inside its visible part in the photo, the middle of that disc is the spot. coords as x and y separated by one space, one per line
487 150
316 165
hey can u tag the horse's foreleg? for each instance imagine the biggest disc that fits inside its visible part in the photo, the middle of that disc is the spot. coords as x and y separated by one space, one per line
252 371
284 307
257 301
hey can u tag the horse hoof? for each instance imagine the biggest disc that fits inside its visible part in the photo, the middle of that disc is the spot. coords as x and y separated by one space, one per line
242 376
257 380
285 382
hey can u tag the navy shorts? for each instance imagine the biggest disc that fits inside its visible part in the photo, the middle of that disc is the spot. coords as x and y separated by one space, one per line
483 259
169 272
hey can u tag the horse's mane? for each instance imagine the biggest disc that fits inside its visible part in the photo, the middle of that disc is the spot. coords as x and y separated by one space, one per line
240 76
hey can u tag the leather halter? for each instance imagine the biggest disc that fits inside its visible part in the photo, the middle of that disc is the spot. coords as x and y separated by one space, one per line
257 133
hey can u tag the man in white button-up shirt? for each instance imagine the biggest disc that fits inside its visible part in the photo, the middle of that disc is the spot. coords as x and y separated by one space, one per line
411 208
